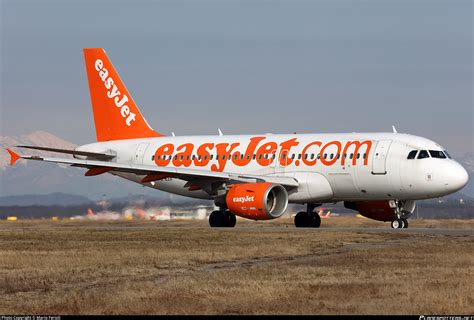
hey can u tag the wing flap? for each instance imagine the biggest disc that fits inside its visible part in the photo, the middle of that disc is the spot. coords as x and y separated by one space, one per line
101 156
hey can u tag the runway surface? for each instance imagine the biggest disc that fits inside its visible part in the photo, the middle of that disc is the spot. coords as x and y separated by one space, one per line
349 265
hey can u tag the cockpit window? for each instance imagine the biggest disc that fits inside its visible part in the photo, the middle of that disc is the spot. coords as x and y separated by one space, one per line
447 154
412 154
423 154
437 154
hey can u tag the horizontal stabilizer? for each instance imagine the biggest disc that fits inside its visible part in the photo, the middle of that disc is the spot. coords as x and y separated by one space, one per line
101 156
13 157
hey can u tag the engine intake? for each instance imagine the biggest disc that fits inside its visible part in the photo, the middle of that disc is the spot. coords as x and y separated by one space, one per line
257 201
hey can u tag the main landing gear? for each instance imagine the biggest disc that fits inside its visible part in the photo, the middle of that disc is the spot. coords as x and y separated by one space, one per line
222 219
400 223
308 218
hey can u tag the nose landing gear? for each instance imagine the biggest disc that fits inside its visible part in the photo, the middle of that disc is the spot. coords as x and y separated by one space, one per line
400 223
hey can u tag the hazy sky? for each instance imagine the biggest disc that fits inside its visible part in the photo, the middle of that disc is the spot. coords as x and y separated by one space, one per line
246 67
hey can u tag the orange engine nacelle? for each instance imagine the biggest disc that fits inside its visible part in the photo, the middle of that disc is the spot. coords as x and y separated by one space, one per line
383 210
257 201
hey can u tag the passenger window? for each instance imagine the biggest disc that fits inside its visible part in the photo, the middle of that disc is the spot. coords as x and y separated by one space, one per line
437 154
358 155
299 156
254 156
312 156
412 154
423 154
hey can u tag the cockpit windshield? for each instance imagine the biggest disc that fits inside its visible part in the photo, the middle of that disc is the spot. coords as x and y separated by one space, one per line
437 154
412 154
423 154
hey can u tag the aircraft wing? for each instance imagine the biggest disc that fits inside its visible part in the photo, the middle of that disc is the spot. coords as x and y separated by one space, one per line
153 173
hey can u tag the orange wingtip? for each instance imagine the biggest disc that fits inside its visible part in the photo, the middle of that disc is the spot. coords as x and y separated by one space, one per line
13 157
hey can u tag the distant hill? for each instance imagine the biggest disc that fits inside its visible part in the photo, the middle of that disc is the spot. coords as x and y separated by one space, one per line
57 198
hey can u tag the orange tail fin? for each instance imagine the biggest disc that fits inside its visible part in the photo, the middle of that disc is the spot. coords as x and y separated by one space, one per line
116 115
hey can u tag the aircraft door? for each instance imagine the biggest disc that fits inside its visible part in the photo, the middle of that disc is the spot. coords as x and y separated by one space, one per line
140 153
379 160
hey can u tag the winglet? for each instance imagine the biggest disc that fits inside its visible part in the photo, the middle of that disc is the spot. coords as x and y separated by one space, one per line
13 157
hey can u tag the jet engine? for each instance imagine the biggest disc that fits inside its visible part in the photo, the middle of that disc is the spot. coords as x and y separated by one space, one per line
384 210
257 201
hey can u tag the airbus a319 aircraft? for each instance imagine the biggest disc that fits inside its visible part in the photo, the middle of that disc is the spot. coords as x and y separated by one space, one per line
380 175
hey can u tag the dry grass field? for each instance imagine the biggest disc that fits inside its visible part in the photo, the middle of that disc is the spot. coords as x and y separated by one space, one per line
345 267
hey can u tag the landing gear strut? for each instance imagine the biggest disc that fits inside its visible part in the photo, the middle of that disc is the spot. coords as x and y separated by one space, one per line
308 218
222 219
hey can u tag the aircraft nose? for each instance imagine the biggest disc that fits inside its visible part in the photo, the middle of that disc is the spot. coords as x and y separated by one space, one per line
457 177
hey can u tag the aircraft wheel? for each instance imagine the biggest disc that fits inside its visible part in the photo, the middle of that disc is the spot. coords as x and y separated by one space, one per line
216 219
230 219
405 223
301 220
315 220
397 224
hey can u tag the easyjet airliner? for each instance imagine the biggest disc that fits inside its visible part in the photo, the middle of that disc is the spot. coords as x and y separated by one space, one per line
380 175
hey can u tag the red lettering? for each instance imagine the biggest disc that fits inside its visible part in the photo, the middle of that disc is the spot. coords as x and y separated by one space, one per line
357 144
285 151
305 160
183 158
266 151
204 156
162 154
223 155
240 161
330 162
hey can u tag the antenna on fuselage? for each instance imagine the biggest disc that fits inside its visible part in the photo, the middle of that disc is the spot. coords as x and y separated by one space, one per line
394 129
172 134
220 132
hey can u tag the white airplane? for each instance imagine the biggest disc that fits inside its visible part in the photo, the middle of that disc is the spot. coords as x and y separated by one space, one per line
380 175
